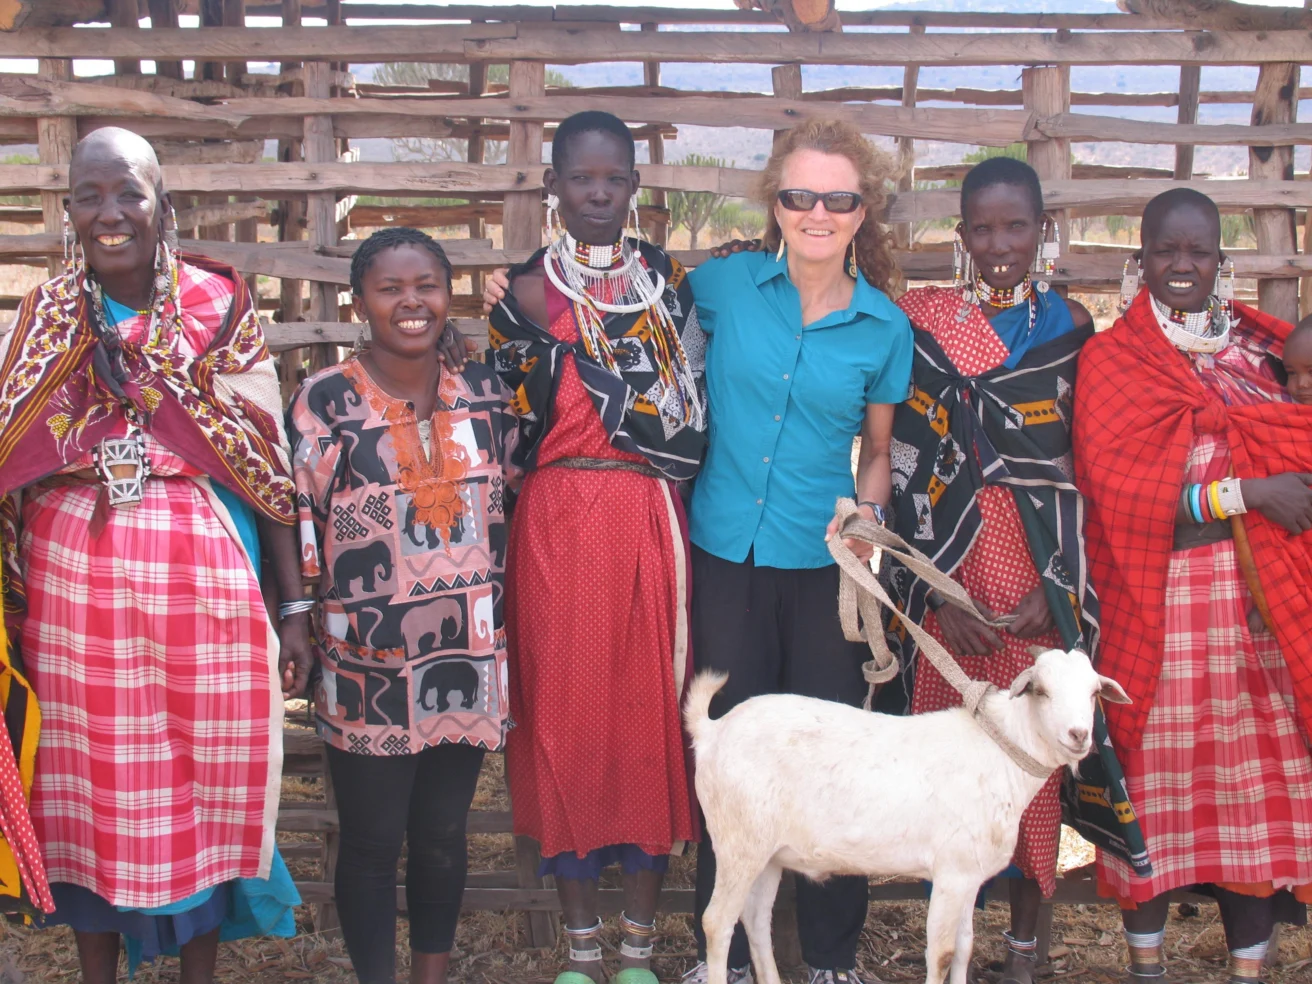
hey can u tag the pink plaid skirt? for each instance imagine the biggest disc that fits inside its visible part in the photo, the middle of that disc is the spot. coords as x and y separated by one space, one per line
154 661
1223 781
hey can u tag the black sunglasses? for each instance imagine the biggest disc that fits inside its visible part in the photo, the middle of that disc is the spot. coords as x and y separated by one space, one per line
801 200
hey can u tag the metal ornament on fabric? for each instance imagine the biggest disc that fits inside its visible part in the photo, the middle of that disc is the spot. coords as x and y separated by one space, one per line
123 466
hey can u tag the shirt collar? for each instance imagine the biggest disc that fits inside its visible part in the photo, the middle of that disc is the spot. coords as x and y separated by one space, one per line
865 299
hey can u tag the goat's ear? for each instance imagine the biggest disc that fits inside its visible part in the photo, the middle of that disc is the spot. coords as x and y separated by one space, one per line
1110 690
1022 682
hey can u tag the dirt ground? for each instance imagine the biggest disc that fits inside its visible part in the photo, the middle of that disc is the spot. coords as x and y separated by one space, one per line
490 946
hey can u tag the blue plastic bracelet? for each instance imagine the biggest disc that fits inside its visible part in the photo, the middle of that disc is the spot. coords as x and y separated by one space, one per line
1196 503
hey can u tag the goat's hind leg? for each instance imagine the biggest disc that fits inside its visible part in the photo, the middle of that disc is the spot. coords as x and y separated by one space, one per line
948 900
756 920
965 942
734 878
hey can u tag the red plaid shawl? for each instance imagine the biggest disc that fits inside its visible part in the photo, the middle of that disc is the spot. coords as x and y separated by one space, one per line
1139 406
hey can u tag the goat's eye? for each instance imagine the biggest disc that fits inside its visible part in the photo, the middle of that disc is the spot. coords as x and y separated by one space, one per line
1038 692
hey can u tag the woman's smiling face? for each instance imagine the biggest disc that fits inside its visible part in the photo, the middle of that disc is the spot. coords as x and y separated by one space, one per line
405 300
114 207
819 235
1181 256
1001 233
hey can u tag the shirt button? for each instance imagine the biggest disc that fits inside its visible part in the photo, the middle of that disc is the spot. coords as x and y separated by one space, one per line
766 460
759 501
798 337
776 416
785 375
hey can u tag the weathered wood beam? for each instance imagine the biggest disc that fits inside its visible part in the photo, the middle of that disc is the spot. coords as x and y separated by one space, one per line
521 226
123 14
511 42
1223 15
56 137
31 14
32 96
1274 105
164 13
955 172
1047 95
1190 77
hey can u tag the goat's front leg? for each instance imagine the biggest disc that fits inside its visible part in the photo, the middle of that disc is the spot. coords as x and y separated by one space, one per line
950 896
965 943
734 877
756 920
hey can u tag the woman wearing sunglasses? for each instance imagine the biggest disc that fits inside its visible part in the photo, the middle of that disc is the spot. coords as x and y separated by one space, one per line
806 352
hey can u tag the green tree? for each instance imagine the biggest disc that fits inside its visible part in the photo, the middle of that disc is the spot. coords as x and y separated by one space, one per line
1015 151
724 220
693 209
751 223
447 148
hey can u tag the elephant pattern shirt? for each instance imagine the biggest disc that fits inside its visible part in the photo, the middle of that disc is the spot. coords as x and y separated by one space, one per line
404 529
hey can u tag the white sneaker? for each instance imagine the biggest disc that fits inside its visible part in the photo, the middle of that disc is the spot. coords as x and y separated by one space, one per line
700 974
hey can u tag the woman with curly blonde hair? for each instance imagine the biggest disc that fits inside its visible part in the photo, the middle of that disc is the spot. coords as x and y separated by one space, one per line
806 351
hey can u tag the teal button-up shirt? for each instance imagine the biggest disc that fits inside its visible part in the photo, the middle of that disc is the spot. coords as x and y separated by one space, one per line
786 400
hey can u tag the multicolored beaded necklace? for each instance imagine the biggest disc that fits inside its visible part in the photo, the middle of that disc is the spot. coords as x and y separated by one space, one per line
1007 297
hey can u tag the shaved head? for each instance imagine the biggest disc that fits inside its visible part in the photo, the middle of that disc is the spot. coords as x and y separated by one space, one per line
115 144
1178 200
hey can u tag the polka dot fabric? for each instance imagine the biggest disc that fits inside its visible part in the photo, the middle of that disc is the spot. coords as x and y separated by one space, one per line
997 571
596 754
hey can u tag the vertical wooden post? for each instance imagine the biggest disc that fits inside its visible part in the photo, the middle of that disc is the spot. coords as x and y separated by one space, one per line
247 230
211 15
1047 92
291 219
55 137
1190 80
521 216
326 920
321 206
903 232
787 83
474 151
234 15
1275 100
164 14
124 13
651 75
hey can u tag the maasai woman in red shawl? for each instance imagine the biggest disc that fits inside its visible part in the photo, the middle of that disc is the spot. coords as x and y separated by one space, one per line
981 472
140 450
1181 424
589 341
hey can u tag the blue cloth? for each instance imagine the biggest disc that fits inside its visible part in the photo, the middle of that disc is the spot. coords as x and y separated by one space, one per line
116 312
630 858
239 909
786 400
1052 319
243 517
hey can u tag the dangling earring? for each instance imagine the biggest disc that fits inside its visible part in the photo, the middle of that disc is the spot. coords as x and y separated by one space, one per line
1225 288
554 228
362 339
963 269
170 236
1045 257
633 216
852 268
1129 283
74 259
779 254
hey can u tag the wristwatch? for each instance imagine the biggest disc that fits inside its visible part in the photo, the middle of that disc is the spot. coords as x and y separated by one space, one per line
881 516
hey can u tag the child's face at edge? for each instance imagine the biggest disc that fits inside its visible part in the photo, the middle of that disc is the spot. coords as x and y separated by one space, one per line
405 300
1298 364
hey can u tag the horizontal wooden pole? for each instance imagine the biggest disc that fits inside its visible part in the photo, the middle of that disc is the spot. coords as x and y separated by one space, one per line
509 42
314 817
595 13
445 216
1081 172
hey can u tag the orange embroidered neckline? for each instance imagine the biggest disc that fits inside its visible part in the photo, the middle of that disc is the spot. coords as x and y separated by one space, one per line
434 480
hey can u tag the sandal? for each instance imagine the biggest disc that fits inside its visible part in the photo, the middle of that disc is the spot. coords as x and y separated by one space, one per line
582 954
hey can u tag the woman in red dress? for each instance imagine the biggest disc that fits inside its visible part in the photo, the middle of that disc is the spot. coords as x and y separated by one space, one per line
596 340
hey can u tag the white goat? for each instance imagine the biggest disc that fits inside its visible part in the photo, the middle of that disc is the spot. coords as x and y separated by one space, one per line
824 789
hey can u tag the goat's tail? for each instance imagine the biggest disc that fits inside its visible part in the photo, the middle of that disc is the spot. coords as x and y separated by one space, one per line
697 708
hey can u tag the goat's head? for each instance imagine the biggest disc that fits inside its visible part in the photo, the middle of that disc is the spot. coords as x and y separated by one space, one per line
1062 688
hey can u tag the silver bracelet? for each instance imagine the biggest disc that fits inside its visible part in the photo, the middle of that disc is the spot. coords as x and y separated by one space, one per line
1231 497
288 608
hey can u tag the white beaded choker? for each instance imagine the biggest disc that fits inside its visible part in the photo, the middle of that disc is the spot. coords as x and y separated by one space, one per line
1202 332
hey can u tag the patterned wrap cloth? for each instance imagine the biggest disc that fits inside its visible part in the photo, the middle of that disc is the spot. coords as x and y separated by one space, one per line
148 644
409 546
981 475
1215 744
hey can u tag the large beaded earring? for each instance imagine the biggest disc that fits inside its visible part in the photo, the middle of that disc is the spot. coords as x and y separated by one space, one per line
963 269
1225 288
633 216
555 230
362 339
74 256
1046 256
1129 282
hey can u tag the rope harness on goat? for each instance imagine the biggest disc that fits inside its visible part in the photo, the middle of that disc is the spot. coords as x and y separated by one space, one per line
861 594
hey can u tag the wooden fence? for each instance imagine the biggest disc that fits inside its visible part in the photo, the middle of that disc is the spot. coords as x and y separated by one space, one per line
210 130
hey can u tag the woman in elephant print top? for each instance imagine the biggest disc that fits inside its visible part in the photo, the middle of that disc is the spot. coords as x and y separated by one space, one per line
401 469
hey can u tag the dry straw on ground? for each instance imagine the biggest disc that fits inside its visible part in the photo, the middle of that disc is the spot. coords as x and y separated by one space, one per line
490 946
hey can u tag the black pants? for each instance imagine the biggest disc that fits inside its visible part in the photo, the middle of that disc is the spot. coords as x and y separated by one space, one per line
777 631
1249 920
381 801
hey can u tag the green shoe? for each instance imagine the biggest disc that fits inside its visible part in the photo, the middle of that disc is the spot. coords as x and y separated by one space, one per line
574 977
633 975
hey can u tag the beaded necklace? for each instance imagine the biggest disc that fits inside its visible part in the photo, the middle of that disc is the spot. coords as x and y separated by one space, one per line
982 293
1203 332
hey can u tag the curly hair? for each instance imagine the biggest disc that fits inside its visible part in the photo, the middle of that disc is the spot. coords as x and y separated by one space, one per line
874 243
390 238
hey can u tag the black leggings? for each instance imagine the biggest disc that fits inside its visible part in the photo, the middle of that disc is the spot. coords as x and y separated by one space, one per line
381 800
